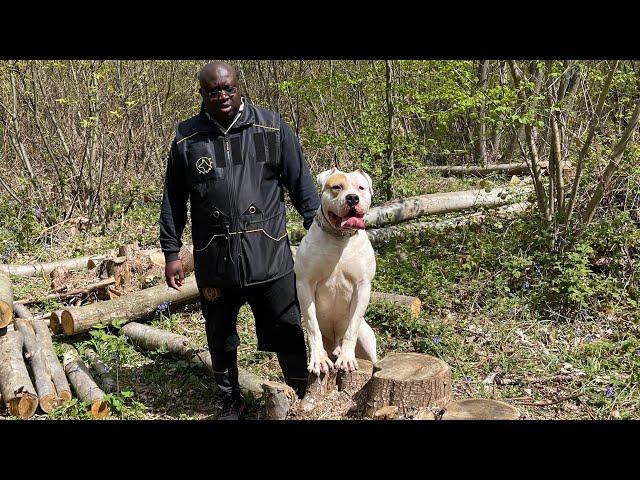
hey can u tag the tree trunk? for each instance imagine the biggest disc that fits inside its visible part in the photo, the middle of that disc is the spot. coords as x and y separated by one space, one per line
481 135
480 409
85 387
379 236
410 381
414 207
6 301
37 269
151 338
16 387
104 372
478 171
134 306
58 376
34 354
388 166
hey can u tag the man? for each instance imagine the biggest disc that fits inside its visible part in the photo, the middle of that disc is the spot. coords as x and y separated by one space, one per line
232 161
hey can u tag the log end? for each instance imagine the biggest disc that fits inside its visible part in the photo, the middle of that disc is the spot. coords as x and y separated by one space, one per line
480 409
91 264
6 314
54 322
415 307
64 396
23 406
67 322
100 409
49 402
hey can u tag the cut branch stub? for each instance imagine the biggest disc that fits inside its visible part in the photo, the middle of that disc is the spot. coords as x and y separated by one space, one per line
480 409
410 381
6 301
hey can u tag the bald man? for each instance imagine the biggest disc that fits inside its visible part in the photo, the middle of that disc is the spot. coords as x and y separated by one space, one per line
231 161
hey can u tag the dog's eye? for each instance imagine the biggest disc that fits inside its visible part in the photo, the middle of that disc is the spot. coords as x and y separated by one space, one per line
337 187
361 187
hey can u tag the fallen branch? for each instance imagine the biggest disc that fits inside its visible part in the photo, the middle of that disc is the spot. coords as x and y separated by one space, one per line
6 301
17 390
36 269
85 387
71 293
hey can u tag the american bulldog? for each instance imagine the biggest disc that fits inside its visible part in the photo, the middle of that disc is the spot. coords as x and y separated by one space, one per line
334 267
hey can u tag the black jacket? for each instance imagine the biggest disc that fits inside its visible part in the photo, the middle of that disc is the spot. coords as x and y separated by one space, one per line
235 184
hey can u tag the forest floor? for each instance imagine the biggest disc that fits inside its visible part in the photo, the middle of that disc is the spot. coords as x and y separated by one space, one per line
581 364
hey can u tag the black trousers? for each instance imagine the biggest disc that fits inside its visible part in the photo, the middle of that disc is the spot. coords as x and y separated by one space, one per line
278 329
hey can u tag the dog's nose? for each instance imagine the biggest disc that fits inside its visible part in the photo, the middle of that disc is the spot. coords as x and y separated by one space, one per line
352 200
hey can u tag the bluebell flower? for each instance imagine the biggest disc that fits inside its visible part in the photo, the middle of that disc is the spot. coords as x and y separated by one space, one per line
610 392
638 352
536 267
511 312
526 284
589 338
436 339
584 314
163 307
467 379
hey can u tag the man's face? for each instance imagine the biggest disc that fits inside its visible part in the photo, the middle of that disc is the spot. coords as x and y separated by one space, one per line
219 91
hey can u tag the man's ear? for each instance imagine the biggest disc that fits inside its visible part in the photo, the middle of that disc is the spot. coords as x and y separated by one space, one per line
368 179
324 176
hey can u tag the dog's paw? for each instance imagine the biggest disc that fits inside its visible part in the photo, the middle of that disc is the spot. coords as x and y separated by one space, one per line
319 362
346 361
337 351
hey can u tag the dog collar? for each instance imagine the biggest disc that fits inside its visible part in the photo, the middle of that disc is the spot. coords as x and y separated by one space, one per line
326 226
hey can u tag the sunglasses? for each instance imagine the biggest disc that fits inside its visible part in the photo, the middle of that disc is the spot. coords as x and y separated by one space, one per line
217 92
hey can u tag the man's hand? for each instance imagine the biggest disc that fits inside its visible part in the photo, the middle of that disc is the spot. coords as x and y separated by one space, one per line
174 274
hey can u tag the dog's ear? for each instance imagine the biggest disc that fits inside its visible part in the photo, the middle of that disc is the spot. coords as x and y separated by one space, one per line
324 176
368 179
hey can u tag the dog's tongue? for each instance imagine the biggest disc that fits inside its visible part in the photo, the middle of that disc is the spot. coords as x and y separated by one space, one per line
353 222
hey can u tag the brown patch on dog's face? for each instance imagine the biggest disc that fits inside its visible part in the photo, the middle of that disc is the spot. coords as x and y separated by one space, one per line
336 183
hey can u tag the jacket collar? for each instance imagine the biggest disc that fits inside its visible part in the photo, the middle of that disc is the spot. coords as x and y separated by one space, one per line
247 117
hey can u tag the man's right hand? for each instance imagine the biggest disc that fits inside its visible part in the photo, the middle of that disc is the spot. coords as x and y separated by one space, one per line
174 274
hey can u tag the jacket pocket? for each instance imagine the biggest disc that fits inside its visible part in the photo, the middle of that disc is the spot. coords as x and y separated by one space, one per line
265 248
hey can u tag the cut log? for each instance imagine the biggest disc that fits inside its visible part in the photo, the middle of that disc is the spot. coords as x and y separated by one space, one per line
59 276
58 376
379 236
134 306
55 322
36 269
279 400
119 268
355 382
480 409
83 384
17 390
399 211
34 354
479 171
20 311
103 370
151 338
186 255
410 381
413 304
6 301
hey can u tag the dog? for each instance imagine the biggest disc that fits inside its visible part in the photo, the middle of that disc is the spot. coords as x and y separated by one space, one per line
334 266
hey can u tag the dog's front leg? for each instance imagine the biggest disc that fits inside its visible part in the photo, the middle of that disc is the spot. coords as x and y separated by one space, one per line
318 358
347 351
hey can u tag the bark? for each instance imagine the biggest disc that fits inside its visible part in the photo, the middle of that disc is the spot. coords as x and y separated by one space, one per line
120 269
480 409
279 399
83 384
413 207
481 135
37 269
478 171
151 338
58 277
104 372
379 236
6 301
134 306
34 354
58 376
17 390
390 412
411 381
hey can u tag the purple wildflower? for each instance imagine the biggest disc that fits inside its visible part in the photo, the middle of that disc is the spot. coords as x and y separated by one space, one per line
584 314
511 312
526 283
468 379
436 339
638 352
537 268
163 307
610 392
589 338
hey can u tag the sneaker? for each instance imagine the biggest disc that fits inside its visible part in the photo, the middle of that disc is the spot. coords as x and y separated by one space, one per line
232 408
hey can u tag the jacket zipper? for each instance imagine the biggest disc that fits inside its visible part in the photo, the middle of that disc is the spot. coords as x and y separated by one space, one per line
234 217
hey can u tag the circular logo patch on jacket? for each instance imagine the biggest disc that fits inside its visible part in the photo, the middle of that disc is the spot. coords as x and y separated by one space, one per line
204 165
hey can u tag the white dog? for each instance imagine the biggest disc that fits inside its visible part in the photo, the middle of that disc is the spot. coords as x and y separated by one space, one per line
334 267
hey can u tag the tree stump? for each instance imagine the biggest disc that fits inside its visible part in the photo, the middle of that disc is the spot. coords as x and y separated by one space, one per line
279 399
59 276
83 384
6 301
390 412
120 269
480 409
18 392
129 251
410 381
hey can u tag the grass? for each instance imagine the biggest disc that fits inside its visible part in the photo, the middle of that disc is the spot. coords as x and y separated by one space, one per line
486 312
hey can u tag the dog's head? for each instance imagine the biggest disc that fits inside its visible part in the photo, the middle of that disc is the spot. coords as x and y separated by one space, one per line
346 197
